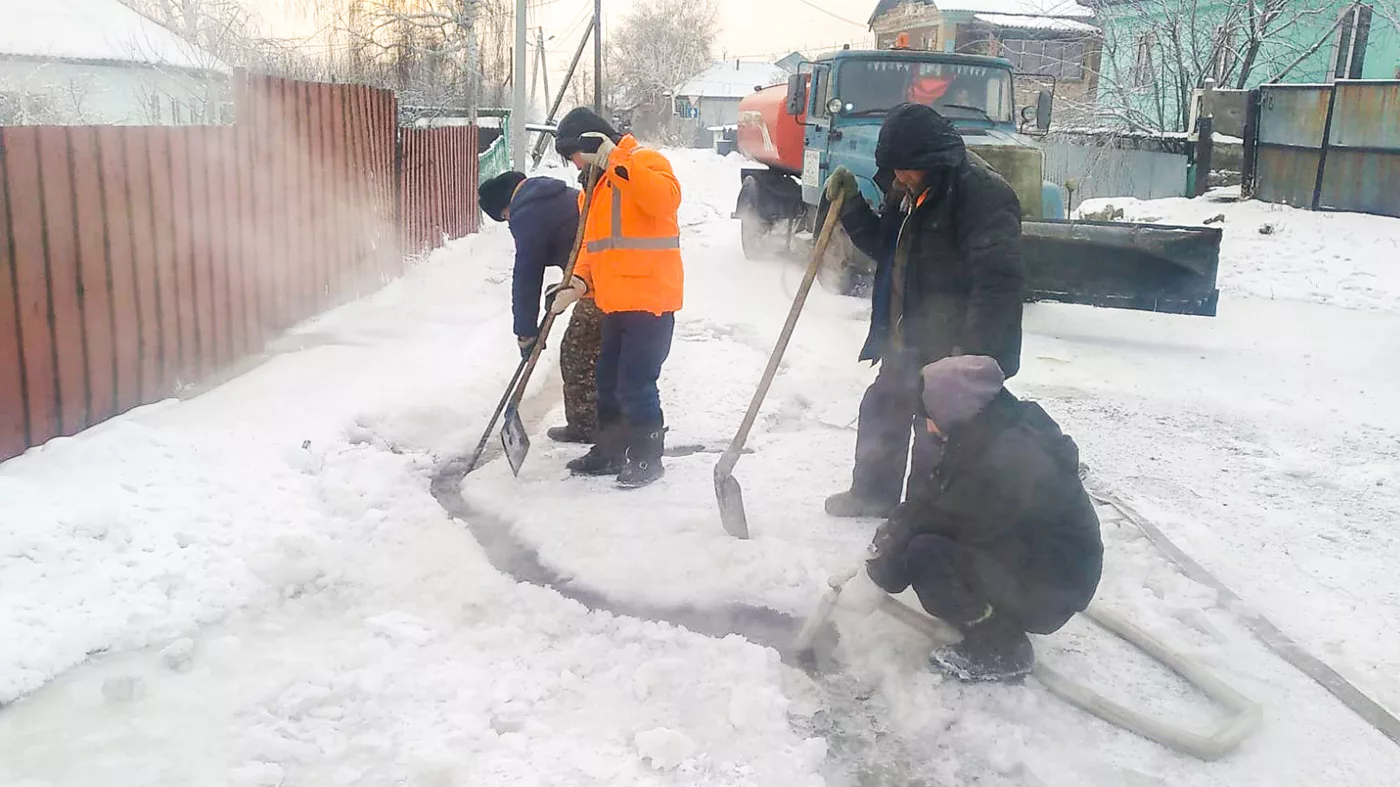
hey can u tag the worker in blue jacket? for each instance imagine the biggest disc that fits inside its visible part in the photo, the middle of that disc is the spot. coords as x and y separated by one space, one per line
543 218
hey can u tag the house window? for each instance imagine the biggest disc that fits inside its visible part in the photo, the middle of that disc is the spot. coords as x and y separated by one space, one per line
1054 58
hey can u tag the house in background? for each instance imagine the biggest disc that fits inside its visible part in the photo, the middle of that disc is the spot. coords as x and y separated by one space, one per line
792 63
710 100
1311 41
97 62
1053 44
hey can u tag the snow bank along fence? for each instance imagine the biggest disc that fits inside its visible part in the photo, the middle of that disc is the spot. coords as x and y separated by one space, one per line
137 260
1327 147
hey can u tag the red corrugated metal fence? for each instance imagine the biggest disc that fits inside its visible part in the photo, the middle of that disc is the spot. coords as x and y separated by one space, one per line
438 175
137 260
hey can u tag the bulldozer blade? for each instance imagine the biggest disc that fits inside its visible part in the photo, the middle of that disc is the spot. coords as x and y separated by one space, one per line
1147 267
730 497
515 440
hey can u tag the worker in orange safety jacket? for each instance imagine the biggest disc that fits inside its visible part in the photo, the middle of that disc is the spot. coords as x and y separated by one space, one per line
630 263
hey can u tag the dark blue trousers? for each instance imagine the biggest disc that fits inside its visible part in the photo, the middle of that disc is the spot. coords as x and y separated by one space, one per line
635 345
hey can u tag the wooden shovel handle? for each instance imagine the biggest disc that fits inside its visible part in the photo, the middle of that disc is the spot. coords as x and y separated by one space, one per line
833 214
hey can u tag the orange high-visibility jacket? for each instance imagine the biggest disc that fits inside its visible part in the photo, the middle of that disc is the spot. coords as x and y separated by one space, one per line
631 255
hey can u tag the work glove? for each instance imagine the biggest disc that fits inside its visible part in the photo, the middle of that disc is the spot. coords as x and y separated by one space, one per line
600 155
559 297
842 181
860 595
526 345
885 566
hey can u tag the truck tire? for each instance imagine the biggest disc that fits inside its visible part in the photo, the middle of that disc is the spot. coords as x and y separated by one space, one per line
753 228
846 270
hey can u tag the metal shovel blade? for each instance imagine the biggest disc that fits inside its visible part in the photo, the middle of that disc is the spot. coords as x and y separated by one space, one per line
731 504
514 440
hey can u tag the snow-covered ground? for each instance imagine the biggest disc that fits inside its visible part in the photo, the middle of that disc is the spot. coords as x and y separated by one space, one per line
256 587
1279 252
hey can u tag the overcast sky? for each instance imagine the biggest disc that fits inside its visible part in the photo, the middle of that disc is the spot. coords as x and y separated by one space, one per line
753 29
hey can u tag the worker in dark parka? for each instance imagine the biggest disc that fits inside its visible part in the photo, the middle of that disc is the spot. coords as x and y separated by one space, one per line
948 281
1000 538
543 218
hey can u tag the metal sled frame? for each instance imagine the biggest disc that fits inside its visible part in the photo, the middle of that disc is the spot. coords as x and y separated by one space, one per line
1245 715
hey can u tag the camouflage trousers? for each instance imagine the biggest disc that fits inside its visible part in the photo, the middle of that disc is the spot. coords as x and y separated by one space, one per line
578 361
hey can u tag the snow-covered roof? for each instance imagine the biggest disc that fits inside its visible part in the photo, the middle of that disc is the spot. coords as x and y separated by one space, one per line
1050 8
95 31
1056 24
731 79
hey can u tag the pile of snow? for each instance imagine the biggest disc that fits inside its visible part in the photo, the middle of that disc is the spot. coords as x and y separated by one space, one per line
1280 252
99 31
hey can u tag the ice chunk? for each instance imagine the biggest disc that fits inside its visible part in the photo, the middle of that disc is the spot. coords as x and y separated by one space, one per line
666 749
178 654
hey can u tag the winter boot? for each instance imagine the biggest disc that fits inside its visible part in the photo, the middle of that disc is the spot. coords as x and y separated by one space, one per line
847 505
608 454
644 452
569 434
992 650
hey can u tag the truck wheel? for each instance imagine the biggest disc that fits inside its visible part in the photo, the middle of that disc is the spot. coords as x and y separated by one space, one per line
845 270
753 228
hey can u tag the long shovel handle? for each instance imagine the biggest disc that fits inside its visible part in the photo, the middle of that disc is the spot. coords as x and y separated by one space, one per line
516 390
594 173
731 456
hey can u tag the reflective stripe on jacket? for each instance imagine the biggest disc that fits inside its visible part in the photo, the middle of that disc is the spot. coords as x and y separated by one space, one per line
631 255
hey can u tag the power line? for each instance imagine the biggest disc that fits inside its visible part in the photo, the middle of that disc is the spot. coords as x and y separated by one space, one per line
808 48
833 15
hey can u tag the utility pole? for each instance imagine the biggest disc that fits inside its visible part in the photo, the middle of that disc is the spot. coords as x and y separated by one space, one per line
544 66
543 140
598 56
519 137
534 76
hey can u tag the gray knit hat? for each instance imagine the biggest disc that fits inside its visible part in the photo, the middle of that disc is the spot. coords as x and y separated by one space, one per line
957 389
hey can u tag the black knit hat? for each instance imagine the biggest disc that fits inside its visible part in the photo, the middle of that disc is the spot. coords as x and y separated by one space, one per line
578 122
495 193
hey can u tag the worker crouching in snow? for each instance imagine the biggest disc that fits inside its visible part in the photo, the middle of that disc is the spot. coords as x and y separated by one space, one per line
630 264
543 218
948 280
1001 537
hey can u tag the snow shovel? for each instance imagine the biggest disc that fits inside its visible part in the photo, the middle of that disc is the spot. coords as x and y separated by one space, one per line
1243 718
514 439
727 490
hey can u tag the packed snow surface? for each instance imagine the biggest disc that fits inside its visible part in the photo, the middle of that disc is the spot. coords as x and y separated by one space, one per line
255 586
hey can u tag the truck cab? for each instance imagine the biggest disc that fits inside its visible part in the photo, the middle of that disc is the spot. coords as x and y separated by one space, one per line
848 94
